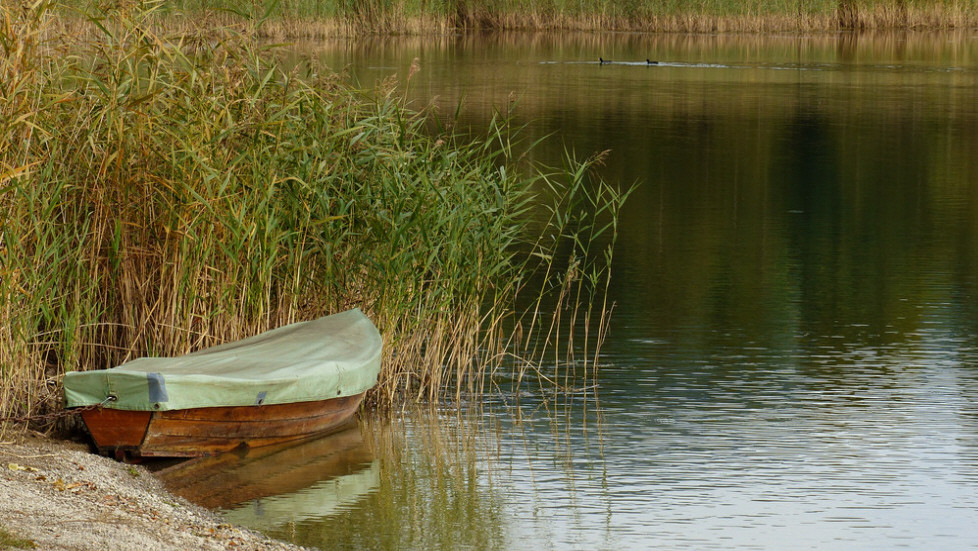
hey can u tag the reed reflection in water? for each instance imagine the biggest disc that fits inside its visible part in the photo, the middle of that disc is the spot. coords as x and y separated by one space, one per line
736 464
415 482
792 360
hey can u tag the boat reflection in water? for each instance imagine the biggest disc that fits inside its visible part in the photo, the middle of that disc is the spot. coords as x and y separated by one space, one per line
264 488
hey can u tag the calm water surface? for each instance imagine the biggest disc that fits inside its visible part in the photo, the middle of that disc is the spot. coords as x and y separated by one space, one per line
793 361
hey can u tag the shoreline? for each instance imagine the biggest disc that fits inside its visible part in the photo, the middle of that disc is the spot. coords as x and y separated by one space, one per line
55 494
286 24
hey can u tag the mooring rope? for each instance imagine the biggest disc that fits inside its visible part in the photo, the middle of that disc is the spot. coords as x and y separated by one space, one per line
56 414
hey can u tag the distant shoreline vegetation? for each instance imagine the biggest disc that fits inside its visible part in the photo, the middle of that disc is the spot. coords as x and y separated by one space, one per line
331 18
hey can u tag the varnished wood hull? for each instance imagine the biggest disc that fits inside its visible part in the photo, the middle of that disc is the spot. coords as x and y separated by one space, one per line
207 431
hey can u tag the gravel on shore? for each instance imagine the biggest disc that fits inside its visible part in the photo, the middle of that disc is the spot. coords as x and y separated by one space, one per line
56 495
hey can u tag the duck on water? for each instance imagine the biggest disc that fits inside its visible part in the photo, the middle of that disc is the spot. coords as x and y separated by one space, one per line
603 61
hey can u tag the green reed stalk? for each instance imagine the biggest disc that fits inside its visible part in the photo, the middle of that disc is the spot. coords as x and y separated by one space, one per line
165 193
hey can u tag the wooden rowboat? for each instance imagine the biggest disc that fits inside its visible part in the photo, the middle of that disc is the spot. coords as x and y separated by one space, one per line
205 431
295 382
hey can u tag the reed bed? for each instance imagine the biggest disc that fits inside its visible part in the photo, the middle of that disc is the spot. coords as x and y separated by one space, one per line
332 18
161 194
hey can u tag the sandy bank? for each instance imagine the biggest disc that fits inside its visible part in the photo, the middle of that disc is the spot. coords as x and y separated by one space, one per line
57 495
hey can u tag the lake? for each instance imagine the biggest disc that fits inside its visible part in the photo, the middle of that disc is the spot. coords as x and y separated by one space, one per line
793 356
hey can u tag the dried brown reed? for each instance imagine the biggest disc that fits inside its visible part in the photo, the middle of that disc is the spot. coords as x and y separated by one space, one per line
386 17
323 20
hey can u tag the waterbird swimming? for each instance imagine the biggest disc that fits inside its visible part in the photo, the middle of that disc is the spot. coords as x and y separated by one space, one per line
603 61
650 62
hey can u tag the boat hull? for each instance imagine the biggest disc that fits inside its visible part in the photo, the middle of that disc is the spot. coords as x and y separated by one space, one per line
196 432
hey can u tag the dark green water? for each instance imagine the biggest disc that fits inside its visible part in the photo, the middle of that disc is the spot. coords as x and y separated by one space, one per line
793 360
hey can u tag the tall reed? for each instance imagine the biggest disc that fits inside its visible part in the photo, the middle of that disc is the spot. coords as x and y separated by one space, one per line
165 193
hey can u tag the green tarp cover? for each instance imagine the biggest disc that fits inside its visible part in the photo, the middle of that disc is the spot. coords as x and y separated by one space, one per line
333 356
